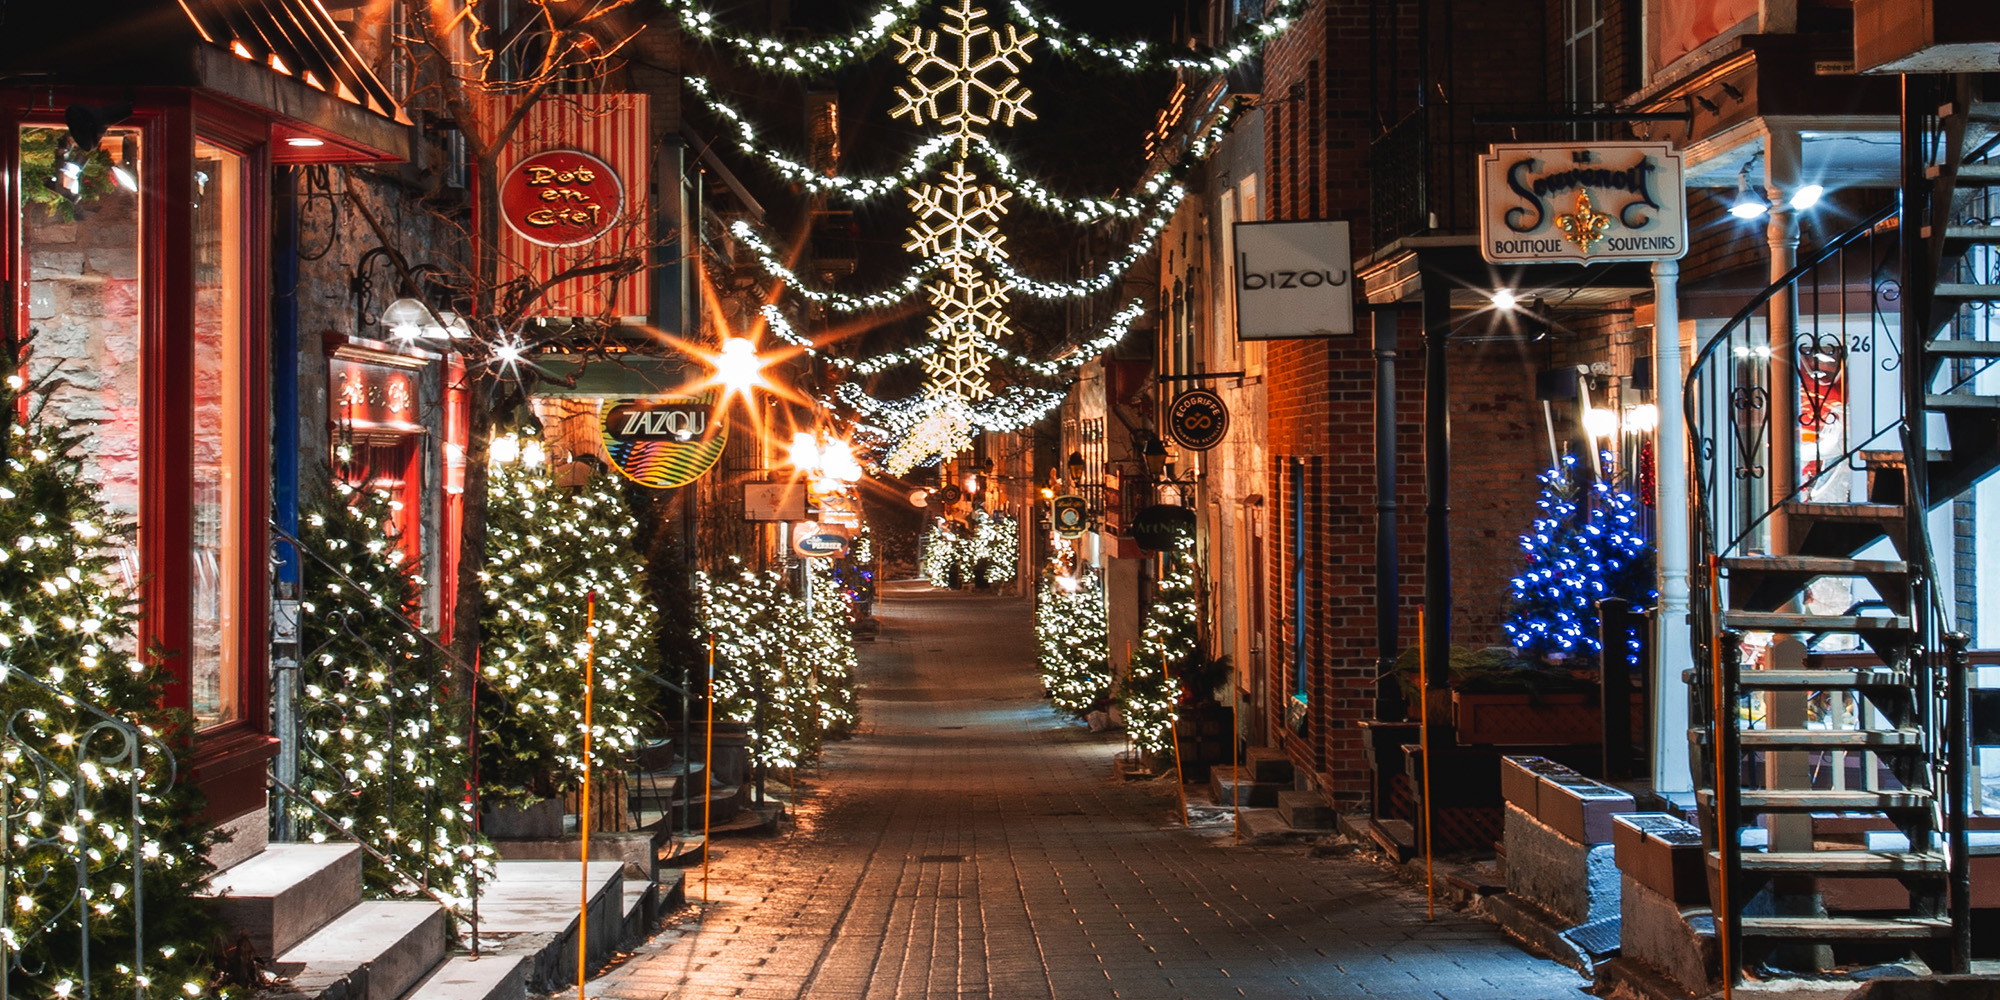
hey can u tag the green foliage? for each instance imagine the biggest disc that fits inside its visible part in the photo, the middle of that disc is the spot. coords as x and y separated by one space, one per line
1169 647
72 690
769 652
549 548
384 714
40 177
1071 635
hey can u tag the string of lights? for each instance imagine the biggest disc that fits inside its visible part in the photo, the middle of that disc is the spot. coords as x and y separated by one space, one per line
1239 47
815 57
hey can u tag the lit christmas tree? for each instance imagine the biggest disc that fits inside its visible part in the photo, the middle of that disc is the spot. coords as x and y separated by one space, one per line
550 547
995 548
942 563
1169 646
788 677
383 716
72 688
1585 546
1070 632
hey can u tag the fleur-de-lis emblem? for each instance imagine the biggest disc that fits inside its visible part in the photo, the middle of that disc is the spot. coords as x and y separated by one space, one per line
1584 226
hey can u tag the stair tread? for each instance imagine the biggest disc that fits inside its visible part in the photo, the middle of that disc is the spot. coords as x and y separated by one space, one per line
364 922
1769 621
462 977
1833 800
1965 348
278 867
378 949
1958 401
1823 565
1975 234
1845 511
1846 927
1855 862
1812 739
1822 679
1967 290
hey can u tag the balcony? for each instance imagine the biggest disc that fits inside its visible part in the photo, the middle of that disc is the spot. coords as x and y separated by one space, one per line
1423 171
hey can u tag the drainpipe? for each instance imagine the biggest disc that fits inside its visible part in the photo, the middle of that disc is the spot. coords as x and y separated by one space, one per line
285 651
1388 590
1437 485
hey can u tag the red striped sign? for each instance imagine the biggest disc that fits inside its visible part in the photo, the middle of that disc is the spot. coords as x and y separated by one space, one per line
612 128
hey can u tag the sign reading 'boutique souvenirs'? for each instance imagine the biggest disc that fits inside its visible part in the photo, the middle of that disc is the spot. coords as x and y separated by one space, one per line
1582 203
1293 279
561 198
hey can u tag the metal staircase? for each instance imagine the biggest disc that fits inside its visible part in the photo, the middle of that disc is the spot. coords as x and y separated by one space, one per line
1830 682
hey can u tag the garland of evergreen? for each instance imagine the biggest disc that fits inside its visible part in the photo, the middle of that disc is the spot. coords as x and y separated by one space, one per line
1585 545
385 720
1169 647
548 548
1072 637
72 685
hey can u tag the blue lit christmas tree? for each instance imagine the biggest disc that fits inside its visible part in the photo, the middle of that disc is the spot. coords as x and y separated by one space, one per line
1587 544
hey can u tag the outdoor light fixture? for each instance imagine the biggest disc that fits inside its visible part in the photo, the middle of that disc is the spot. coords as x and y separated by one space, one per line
1505 300
304 141
504 448
1075 467
1155 454
404 318
738 369
1600 423
1807 196
1751 202
1642 419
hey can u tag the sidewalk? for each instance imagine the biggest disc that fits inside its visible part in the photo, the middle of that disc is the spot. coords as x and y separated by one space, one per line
970 843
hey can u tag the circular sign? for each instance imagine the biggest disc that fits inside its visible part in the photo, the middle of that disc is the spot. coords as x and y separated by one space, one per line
814 541
561 198
920 498
1198 419
664 442
1069 515
950 495
1156 527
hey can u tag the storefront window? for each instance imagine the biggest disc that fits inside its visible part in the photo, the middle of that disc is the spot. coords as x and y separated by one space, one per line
215 662
80 232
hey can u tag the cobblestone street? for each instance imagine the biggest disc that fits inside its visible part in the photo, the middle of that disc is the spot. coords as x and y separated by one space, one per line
968 842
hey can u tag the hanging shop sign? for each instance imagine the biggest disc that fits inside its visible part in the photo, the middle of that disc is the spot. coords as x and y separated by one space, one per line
840 510
1293 279
666 441
1156 527
1198 419
920 498
774 501
1069 516
1582 203
561 198
574 196
811 540
373 397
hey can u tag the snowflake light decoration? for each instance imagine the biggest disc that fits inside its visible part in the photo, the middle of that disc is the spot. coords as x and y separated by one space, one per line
961 79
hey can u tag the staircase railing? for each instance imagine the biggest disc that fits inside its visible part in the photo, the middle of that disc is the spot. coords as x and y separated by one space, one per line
54 829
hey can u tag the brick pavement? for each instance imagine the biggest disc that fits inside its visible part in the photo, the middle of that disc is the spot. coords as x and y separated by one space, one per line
968 843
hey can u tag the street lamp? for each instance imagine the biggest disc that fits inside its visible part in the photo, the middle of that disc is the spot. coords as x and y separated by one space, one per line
1075 468
1161 472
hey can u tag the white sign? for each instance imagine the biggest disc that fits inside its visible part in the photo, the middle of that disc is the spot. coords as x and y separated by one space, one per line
1293 279
1582 203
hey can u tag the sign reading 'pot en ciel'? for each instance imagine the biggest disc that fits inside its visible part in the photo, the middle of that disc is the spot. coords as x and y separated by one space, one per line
1582 203
1293 279
561 198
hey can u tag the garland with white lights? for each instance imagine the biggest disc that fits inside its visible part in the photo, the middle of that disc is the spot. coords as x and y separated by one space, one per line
1072 638
1586 545
1169 646
826 55
79 797
549 548
785 674
385 750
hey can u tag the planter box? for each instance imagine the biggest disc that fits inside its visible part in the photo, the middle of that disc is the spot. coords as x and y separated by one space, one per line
1521 719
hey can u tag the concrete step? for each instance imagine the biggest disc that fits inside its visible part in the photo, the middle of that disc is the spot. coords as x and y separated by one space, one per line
1268 764
1305 810
1231 787
530 908
1265 826
488 977
375 951
282 894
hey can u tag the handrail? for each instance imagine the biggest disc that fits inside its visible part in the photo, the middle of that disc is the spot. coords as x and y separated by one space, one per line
1691 397
334 823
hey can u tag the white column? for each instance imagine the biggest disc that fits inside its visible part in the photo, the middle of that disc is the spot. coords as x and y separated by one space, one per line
1673 647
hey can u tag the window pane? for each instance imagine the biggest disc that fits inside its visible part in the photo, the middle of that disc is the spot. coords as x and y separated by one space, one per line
80 231
219 527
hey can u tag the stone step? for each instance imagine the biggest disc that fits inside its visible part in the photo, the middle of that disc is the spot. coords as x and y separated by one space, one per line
1232 788
375 951
1265 826
282 894
463 977
1268 764
1846 928
530 908
1306 810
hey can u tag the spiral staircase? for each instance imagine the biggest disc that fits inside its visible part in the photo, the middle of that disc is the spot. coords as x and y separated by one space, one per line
1830 684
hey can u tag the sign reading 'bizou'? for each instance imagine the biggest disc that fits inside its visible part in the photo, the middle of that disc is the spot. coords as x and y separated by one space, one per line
1293 279
1582 203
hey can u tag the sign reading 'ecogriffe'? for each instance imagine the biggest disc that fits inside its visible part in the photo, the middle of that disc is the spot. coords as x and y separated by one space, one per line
1582 203
1293 279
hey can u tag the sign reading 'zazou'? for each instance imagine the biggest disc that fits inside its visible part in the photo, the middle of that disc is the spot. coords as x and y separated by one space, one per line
1582 203
1293 279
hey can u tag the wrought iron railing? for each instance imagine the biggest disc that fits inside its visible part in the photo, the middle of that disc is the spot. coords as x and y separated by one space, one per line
55 870
1423 170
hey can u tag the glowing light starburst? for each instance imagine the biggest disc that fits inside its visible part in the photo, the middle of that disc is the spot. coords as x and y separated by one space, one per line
961 79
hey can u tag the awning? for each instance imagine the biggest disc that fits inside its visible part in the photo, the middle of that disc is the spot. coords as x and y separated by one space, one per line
619 376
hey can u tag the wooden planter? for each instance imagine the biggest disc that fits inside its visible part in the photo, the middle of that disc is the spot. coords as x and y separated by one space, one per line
1522 719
